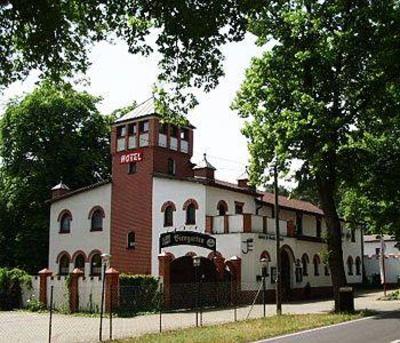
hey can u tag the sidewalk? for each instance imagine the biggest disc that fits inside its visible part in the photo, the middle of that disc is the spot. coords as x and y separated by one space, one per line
31 327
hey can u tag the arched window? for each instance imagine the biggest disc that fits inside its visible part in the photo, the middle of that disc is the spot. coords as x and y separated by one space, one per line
80 262
316 262
304 262
96 216
63 265
358 265
131 244
95 265
350 265
222 208
65 222
169 216
190 215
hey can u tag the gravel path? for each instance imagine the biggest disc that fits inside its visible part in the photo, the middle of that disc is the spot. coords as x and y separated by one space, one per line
19 326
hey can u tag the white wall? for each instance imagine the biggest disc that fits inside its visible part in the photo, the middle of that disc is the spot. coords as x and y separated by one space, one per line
178 192
80 237
215 194
392 268
90 294
370 248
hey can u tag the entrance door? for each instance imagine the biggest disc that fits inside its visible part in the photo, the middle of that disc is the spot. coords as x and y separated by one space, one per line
285 265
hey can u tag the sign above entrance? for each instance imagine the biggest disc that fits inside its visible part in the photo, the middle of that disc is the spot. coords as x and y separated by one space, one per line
169 239
129 157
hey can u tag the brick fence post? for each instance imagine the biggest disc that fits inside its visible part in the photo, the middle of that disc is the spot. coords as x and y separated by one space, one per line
74 290
44 274
164 265
112 289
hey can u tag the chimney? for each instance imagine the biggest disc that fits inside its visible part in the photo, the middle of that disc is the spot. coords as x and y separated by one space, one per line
204 169
59 190
243 180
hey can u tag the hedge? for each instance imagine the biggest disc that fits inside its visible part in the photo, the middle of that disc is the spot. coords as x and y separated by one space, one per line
138 293
11 282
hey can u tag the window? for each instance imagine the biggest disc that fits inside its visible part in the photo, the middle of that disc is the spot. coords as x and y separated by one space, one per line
95 265
131 244
97 220
350 265
144 126
299 224
185 134
222 208
132 129
132 168
64 265
326 268
173 131
377 251
169 216
171 167
121 131
316 263
238 207
358 265
191 214
65 223
163 129
80 262
318 227
304 261
353 235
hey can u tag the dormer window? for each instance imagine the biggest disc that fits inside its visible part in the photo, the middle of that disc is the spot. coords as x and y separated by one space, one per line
132 132
171 167
121 133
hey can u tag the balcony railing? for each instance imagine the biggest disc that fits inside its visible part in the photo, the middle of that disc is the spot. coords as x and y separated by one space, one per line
247 223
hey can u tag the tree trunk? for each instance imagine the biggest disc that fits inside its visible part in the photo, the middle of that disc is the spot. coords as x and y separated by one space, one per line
334 238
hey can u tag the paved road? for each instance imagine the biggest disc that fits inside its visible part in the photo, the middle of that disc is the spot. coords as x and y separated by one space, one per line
26 327
384 328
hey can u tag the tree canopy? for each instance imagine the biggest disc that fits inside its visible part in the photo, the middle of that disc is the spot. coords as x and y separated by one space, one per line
55 132
317 94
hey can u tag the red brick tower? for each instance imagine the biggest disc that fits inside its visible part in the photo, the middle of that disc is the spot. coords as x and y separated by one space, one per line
142 146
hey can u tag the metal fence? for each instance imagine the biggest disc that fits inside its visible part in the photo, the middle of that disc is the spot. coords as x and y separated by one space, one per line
132 311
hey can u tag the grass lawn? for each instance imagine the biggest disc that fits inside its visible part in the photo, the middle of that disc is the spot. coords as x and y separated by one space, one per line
247 330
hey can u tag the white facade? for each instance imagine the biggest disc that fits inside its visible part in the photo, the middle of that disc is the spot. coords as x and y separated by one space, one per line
80 238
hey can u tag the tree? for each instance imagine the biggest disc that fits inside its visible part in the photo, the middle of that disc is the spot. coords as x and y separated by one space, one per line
55 36
327 81
55 132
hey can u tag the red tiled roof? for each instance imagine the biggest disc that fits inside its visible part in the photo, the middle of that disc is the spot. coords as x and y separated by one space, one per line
294 204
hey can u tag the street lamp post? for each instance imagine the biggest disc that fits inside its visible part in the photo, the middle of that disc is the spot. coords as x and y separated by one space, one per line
278 248
264 266
105 258
196 265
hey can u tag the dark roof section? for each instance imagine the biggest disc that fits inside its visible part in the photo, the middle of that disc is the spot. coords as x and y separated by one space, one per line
292 204
80 190
212 183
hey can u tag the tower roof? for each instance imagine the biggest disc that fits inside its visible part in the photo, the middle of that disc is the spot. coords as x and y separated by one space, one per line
59 186
144 109
204 164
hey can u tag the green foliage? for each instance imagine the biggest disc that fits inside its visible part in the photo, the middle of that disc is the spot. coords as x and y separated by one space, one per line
55 132
138 293
34 305
11 283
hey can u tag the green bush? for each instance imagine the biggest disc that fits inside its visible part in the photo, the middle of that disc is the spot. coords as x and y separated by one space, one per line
394 295
138 293
34 305
11 282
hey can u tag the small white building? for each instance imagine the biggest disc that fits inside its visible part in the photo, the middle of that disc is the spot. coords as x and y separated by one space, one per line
372 253
160 209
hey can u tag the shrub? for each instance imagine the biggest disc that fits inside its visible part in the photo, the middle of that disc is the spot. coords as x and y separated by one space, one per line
138 293
34 305
11 282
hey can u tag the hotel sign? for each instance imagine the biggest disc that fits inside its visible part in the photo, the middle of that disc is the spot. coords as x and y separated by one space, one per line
174 238
129 157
